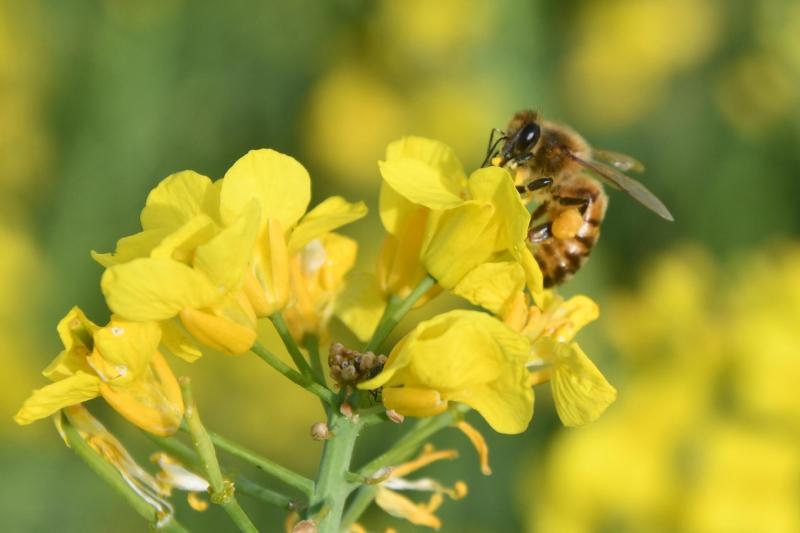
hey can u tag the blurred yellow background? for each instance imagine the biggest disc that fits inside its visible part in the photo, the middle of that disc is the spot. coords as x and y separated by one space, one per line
700 319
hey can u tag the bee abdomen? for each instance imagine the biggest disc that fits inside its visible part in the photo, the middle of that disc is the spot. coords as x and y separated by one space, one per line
558 258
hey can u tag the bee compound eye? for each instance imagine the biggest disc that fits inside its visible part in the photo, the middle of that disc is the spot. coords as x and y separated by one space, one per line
528 136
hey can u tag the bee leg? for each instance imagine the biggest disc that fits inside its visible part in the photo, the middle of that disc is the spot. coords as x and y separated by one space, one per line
537 184
582 203
539 233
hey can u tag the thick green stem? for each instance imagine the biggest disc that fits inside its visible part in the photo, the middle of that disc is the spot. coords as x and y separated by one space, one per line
222 492
306 382
399 453
394 314
291 346
111 475
332 486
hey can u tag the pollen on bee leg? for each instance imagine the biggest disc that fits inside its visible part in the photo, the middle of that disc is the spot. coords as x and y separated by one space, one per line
567 224
496 160
523 175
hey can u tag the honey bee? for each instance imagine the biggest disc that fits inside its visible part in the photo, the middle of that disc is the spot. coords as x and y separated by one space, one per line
555 166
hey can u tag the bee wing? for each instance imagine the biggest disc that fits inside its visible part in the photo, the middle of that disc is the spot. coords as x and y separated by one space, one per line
622 162
624 183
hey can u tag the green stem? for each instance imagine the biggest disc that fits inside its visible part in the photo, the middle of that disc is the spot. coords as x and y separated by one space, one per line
291 346
399 453
293 479
360 502
221 491
112 476
393 315
311 344
306 382
332 486
186 455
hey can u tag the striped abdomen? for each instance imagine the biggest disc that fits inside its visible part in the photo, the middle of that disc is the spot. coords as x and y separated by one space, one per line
560 254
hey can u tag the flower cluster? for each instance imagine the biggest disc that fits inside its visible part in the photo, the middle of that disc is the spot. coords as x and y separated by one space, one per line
214 257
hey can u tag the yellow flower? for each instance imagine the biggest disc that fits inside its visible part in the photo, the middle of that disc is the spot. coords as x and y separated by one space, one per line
186 264
389 499
468 233
281 188
316 276
580 392
466 223
462 356
120 362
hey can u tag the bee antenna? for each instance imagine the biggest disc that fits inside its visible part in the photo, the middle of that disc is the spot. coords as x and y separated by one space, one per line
491 149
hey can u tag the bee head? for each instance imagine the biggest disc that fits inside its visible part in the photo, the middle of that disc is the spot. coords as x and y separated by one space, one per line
519 144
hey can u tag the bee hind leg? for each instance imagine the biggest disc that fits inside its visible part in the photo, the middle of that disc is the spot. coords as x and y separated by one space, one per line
540 233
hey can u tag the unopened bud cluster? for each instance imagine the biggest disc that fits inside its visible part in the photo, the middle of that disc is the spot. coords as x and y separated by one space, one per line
349 367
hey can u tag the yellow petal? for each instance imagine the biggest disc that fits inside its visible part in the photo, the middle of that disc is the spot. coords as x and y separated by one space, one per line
132 247
395 209
533 273
175 200
435 154
279 184
155 289
398 505
419 183
400 267
271 270
573 315
494 186
225 257
361 304
580 392
332 213
178 342
218 332
492 285
181 243
76 332
123 350
74 389
506 403
479 443
456 241
153 402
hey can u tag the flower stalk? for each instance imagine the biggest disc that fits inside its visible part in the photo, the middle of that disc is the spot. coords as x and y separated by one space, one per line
324 393
395 311
222 491
332 486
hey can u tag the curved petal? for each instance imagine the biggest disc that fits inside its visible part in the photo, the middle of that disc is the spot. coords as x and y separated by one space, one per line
155 289
225 257
153 402
77 388
580 392
175 200
332 213
178 342
435 154
280 185
123 350
132 247
419 183
181 243
394 209
492 285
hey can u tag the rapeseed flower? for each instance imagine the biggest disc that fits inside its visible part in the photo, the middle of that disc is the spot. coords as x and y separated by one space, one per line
580 392
119 362
461 356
